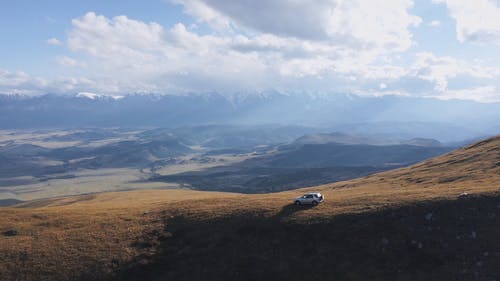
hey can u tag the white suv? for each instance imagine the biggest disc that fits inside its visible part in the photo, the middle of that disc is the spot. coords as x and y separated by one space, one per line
313 198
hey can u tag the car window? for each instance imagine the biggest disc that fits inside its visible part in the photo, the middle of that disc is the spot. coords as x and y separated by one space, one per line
309 196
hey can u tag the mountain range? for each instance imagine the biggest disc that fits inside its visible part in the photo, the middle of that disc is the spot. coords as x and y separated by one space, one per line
385 116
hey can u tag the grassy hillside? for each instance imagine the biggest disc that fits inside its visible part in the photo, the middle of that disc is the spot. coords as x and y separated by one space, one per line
406 224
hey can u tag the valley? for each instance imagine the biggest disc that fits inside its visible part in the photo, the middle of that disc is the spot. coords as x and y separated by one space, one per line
433 220
209 140
246 159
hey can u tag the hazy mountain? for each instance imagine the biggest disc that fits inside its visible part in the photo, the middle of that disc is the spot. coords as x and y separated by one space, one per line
32 160
337 137
232 136
342 138
240 158
423 142
387 116
304 165
9 202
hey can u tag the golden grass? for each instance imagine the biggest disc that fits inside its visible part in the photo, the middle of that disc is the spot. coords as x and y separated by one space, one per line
66 237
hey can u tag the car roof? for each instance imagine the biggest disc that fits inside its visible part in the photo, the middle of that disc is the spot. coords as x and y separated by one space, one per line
312 193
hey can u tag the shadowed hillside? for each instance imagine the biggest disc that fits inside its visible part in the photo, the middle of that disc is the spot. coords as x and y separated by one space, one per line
413 223
441 240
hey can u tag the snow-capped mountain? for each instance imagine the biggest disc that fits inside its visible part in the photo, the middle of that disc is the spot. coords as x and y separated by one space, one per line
419 117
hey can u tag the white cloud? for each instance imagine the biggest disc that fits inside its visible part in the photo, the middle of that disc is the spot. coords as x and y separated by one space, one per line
476 21
123 37
480 94
358 24
131 55
434 23
205 13
70 62
352 46
19 83
441 69
23 83
54 41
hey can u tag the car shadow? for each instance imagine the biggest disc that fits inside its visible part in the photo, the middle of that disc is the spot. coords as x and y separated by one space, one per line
291 209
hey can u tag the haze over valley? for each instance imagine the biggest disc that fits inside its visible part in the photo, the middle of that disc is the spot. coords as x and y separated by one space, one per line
388 117
247 159
214 140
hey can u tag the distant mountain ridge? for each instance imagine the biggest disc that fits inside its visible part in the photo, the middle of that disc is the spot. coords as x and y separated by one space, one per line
404 117
337 137
342 138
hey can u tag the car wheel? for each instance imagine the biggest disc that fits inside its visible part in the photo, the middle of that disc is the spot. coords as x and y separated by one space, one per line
315 203
297 202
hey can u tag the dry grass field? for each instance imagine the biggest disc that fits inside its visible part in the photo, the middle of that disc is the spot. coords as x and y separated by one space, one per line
405 224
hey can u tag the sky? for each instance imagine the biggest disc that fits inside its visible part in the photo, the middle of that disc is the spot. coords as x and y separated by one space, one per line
448 49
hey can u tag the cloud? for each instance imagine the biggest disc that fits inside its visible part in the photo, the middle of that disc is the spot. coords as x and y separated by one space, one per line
19 82
131 55
483 94
70 62
476 21
123 37
205 13
358 24
440 70
53 41
26 84
434 23
343 46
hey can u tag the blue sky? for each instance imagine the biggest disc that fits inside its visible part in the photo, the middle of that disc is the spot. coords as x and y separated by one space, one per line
25 26
436 48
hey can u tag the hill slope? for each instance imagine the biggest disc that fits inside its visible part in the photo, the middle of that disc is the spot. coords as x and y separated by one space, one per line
406 224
